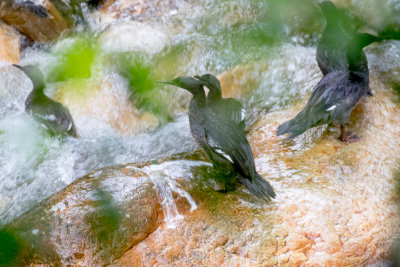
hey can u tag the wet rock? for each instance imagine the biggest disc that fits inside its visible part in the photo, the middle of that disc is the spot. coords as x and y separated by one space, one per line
9 44
39 22
242 80
16 87
91 222
335 202
117 8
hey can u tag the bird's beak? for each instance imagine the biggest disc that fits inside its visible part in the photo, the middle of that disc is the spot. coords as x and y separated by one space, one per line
174 82
18 66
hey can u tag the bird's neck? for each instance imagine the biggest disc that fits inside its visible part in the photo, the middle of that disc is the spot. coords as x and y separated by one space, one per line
199 96
37 93
214 95
199 99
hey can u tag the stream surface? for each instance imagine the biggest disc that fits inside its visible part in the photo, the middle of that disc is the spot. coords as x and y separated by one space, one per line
176 38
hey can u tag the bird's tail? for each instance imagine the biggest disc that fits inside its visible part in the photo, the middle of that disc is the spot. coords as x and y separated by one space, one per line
295 126
259 187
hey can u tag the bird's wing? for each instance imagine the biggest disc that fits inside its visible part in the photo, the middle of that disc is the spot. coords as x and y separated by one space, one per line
55 117
235 108
227 137
230 109
333 91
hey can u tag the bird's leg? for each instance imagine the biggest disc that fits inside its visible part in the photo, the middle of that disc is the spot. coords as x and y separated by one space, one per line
219 186
348 137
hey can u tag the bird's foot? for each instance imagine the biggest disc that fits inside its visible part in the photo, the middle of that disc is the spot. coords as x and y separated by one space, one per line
350 137
218 186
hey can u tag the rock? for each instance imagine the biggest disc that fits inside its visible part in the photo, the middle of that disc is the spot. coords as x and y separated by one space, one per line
9 44
117 8
16 87
242 80
42 26
91 222
335 202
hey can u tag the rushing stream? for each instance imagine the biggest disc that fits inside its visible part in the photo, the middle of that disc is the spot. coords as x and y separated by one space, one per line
175 38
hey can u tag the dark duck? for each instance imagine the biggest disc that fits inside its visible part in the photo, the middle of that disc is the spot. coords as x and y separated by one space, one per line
230 107
222 140
334 97
52 115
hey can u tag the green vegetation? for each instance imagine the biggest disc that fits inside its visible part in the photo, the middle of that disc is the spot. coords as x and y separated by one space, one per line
106 219
74 61
138 70
10 246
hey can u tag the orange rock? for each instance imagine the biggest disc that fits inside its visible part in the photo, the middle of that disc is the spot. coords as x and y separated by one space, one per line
241 80
41 29
95 226
9 44
297 242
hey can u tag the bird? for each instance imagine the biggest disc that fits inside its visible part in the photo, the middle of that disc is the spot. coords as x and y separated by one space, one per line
338 34
52 115
334 97
230 107
222 140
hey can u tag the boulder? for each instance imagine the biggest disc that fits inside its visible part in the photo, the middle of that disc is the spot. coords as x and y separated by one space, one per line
9 44
40 23
90 223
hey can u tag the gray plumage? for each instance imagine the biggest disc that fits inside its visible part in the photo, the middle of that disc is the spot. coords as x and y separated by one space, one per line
222 140
54 116
332 101
231 108
335 95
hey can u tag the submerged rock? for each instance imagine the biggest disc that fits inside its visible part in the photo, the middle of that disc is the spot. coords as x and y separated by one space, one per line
91 222
9 44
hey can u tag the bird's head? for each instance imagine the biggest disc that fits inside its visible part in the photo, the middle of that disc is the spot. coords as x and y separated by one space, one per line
212 83
327 6
191 84
34 73
329 9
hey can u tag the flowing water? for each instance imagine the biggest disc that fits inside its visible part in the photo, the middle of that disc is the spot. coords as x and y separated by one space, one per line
170 38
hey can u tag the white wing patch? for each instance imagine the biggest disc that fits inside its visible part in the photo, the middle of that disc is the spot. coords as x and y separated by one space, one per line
243 111
225 155
331 108
69 126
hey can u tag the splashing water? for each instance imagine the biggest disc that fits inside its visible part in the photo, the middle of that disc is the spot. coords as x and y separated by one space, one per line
163 176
